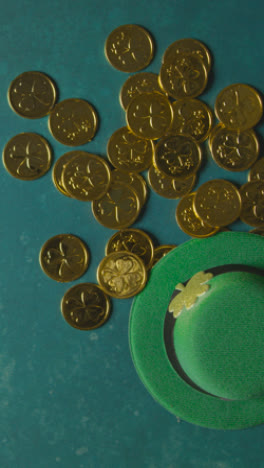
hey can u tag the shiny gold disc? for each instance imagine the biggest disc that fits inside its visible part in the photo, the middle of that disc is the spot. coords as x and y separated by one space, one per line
183 76
191 117
85 306
167 187
129 48
86 176
32 95
64 258
149 115
118 208
27 156
133 180
178 157
234 150
218 203
128 152
189 47
135 241
257 171
73 122
189 221
58 169
238 107
122 274
161 251
252 194
137 84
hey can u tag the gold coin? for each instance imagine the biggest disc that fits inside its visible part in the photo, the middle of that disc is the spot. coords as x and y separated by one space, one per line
257 171
149 115
64 258
135 181
217 203
189 221
189 47
178 157
128 152
137 84
32 95
161 251
122 274
85 306
252 194
259 231
191 117
167 187
239 107
118 208
135 241
86 176
213 132
183 76
27 156
129 48
73 122
58 169
234 150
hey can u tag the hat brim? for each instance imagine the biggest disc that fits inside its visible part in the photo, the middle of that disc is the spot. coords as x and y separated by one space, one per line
146 331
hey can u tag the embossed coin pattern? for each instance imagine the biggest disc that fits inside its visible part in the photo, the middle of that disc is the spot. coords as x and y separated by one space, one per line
64 258
188 219
73 122
191 117
27 156
135 241
143 82
218 203
129 48
122 274
133 180
85 306
189 47
167 187
57 172
161 251
257 171
252 195
32 95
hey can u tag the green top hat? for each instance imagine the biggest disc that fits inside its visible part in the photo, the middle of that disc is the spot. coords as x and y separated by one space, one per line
197 331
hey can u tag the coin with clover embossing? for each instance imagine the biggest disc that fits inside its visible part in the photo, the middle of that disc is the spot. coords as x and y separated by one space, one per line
133 180
252 195
58 169
161 251
132 240
129 48
139 83
128 152
178 157
167 187
191 47
85 306
122 274
27 156
64 258
149 115
86 176
189 221
32 95
257 171
73 122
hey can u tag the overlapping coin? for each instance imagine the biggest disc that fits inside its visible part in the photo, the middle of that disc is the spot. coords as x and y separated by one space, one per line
161 251
191 117
135 241
252 195
139 83
189 221
167 187
257 171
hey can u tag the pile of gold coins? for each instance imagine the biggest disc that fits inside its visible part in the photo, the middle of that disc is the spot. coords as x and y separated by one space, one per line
166 126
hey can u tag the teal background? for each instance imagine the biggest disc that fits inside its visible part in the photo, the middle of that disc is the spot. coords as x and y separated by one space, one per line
69 398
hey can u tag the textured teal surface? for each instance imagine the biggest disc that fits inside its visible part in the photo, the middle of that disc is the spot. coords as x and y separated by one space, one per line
73 399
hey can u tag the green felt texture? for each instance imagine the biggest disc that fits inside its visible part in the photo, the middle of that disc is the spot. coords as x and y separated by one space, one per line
147 324
219 341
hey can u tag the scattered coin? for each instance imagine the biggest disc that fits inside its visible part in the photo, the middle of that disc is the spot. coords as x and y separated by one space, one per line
32 95
161 251
149 115
85 306
135 181
27 156
167 187
189 221
257 171
234 150
143 82
191 117
128 152
122 274
239 107
178 157
58 169
86 176
73 122
189 47
129 48
252 195
217 202
64 258
135 241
